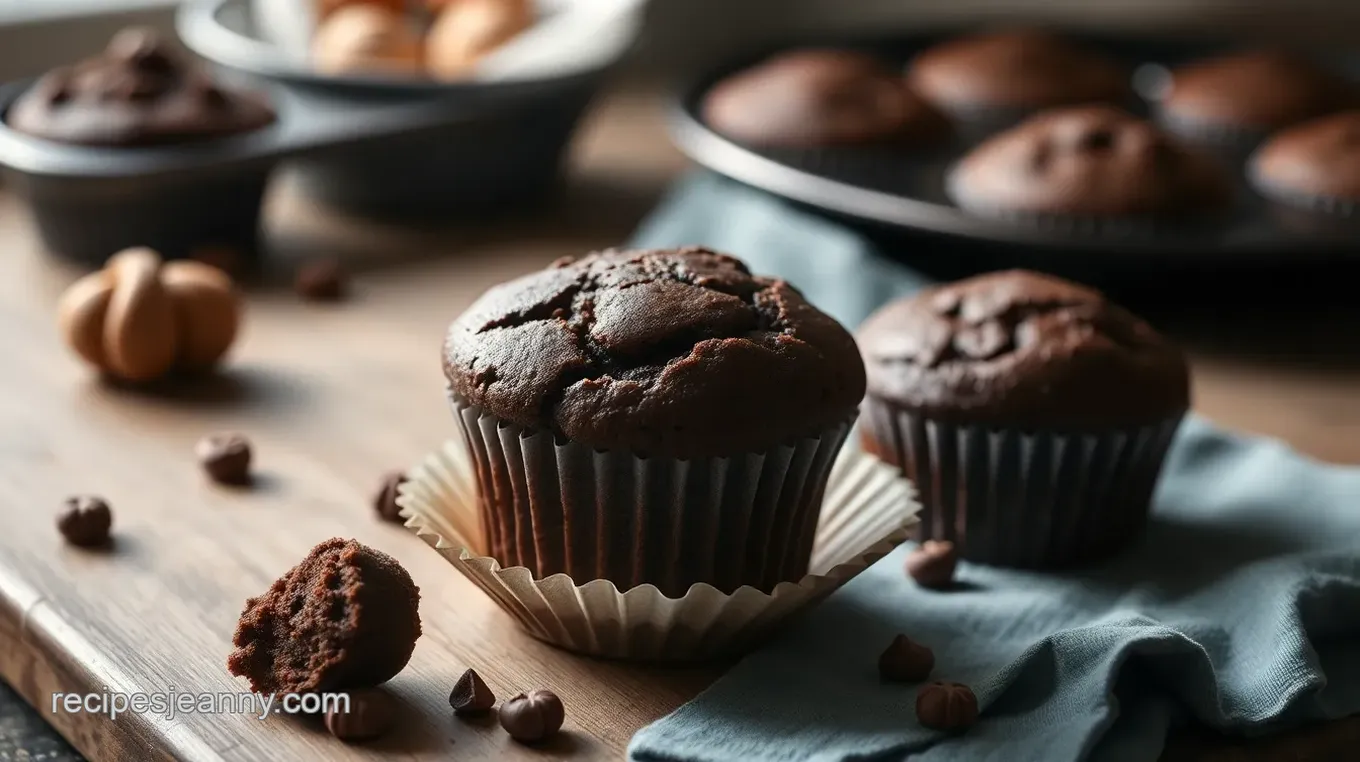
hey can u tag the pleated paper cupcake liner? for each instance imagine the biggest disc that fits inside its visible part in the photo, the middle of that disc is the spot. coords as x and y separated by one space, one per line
564 507
1228 142
868 510
1024 499
1305 213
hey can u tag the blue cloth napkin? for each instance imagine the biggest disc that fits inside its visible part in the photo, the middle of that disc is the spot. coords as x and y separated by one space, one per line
1240 608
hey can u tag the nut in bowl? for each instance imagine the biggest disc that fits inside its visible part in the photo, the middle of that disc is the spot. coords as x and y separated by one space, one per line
868 510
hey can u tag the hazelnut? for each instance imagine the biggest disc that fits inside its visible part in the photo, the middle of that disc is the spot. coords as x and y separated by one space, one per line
466 31
138 319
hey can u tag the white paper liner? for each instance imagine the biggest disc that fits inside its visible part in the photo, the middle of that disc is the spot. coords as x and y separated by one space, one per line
868 510
1024 499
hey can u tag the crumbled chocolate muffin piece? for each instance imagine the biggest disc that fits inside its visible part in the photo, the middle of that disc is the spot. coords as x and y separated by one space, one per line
346 617
1088 161
946 706
323 280
139 92
532 717
905 661
1020 349
372 712
471 695
85 521
810 98
385 500
932 564
676 353
225 458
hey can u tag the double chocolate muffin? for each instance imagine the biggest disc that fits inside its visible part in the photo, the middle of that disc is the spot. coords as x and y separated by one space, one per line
1013 72
816 98
1032 414
661 417
1242 97
1087 162
1313 166
139 92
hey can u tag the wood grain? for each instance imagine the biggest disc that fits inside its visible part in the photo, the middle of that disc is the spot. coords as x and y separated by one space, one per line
332 398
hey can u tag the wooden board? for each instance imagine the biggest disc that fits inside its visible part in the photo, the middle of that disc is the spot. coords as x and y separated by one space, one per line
333 397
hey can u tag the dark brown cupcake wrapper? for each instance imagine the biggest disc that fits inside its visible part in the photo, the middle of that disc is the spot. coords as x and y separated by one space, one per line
1024 499
564 507
1229 142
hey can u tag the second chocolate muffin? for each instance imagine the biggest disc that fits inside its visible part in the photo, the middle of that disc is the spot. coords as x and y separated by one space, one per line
1032 414
658 417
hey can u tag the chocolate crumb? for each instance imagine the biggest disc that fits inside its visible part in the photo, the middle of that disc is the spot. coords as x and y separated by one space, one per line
532 717
905 661
385 501
946 706
225 458
471 695
323 280
371 714
85 521
933 563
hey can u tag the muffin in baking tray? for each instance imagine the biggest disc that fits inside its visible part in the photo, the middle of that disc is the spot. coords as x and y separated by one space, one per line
1087 165
1237 100
1314 166
661 417
817 98
138 92
1032 414
998 77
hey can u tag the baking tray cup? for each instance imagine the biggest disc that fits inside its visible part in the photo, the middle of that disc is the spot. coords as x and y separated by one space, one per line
906 191
869 508
1030 499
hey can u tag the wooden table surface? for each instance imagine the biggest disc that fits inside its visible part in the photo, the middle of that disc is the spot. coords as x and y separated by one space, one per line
332 397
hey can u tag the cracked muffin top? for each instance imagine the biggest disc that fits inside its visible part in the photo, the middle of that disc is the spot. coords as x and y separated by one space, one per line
678 353
1021 349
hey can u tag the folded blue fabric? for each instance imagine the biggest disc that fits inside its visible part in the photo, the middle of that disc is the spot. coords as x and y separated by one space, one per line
1240 608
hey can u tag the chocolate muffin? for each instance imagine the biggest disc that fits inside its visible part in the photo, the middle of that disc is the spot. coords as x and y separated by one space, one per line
1087 162
815 98
1000 76
1313 166
661 417
138 92
346 617
1240 98
1032 414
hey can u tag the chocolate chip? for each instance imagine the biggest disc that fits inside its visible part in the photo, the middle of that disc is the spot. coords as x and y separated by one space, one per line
905 661
946 706
385 501
1096 140
371 713
471 695
85 521
225 458
932 564
321 281
532 717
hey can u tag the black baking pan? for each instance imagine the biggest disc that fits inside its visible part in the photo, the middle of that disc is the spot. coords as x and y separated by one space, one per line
89 202
904 193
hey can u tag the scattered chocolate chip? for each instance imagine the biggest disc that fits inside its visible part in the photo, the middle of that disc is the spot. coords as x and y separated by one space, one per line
946 706
932 564
321 281
905 661
225 458
385 501
85 521
371 714
471 695
532 717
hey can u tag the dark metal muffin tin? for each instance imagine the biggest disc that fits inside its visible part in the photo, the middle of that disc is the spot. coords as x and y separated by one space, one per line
897 191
